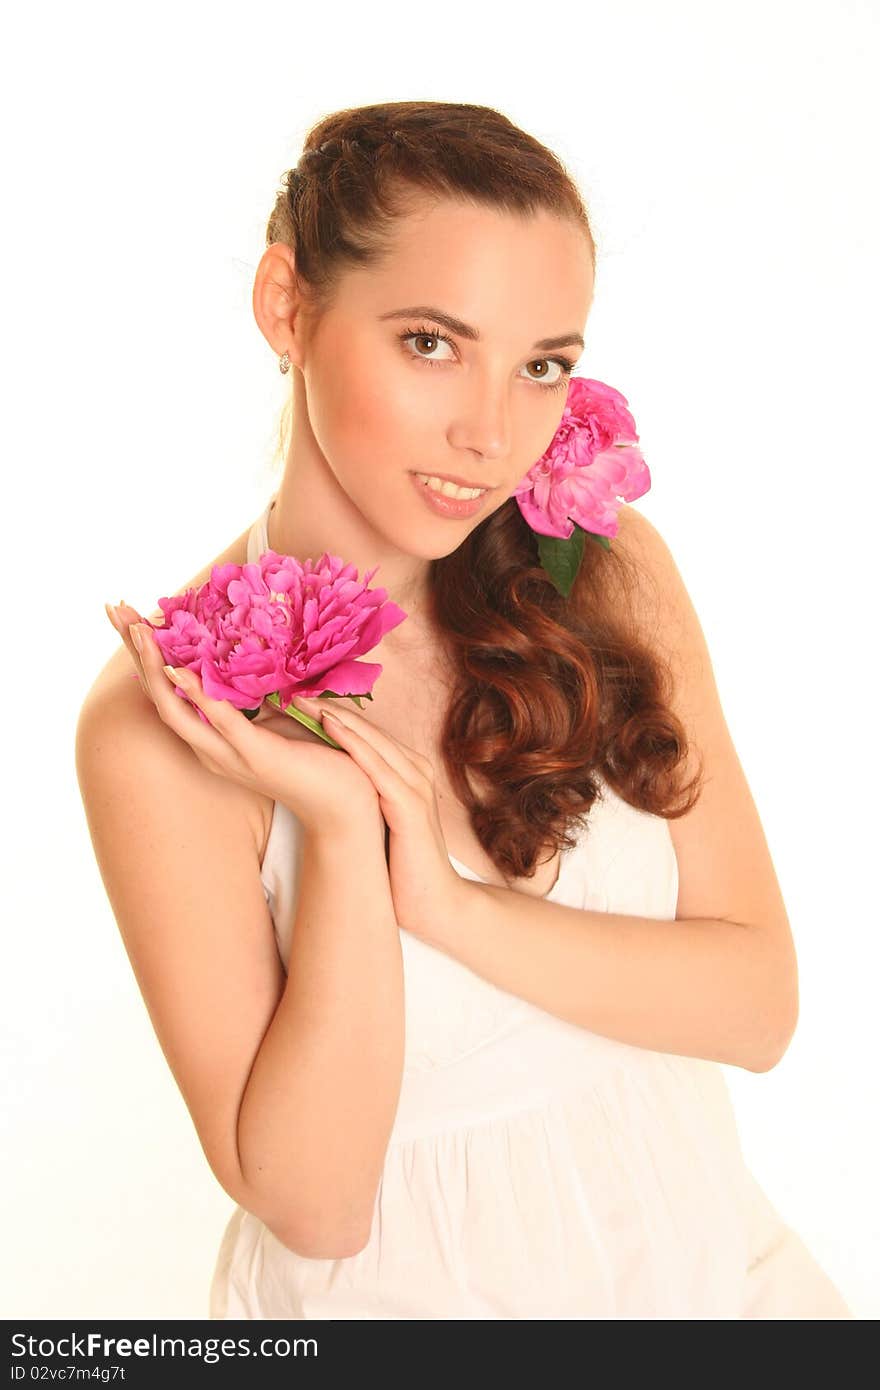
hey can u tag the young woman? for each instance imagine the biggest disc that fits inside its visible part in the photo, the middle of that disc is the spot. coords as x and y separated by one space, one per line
447 1002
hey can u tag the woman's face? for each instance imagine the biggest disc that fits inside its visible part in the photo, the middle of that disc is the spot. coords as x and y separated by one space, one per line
388 397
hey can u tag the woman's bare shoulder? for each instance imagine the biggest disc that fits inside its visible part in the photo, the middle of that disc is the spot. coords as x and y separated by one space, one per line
114 684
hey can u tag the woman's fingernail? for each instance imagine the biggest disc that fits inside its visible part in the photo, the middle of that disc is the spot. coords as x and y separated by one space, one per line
110 610
135 632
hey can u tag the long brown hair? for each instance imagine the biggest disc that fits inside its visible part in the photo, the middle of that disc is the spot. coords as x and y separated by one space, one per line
548 691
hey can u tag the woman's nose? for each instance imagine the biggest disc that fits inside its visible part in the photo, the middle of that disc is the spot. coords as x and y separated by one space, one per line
484 424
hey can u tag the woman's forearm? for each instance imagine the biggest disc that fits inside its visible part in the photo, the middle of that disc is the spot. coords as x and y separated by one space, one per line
701 987
320 1102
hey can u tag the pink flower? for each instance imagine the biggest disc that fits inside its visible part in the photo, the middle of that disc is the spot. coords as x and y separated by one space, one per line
591 465
278 626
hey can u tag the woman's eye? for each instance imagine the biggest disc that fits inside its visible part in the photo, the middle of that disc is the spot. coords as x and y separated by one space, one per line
564 372
423 335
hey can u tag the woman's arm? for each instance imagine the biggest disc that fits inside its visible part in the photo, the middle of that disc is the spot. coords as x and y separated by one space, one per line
292 1084
321 1099
721 980
702 988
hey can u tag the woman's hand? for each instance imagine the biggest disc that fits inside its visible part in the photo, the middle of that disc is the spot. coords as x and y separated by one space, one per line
273 753
426 891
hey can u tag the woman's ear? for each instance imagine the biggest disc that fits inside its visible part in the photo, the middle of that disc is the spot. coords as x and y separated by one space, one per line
277 301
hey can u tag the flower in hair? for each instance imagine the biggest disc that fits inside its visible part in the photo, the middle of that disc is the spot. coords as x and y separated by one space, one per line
592 465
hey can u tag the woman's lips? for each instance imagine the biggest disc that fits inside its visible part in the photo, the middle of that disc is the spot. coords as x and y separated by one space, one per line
453 507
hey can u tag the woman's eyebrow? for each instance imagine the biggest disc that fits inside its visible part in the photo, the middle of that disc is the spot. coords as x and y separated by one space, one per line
464 330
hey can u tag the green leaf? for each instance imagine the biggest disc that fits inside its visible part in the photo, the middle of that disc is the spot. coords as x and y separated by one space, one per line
560 557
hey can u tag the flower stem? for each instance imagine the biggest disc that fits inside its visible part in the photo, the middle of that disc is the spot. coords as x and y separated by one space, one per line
306 719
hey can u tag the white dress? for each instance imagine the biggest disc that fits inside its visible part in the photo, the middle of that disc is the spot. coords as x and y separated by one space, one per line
537 1170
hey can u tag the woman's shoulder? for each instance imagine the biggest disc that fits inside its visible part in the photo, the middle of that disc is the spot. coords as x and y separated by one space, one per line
114 693
640 542
649 585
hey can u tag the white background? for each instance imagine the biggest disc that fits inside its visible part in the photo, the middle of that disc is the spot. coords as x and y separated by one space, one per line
723 152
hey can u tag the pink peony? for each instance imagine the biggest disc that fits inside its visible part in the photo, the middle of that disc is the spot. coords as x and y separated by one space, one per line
278 626
590 466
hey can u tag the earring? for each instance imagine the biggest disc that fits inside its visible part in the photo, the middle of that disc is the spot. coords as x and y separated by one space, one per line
284 362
